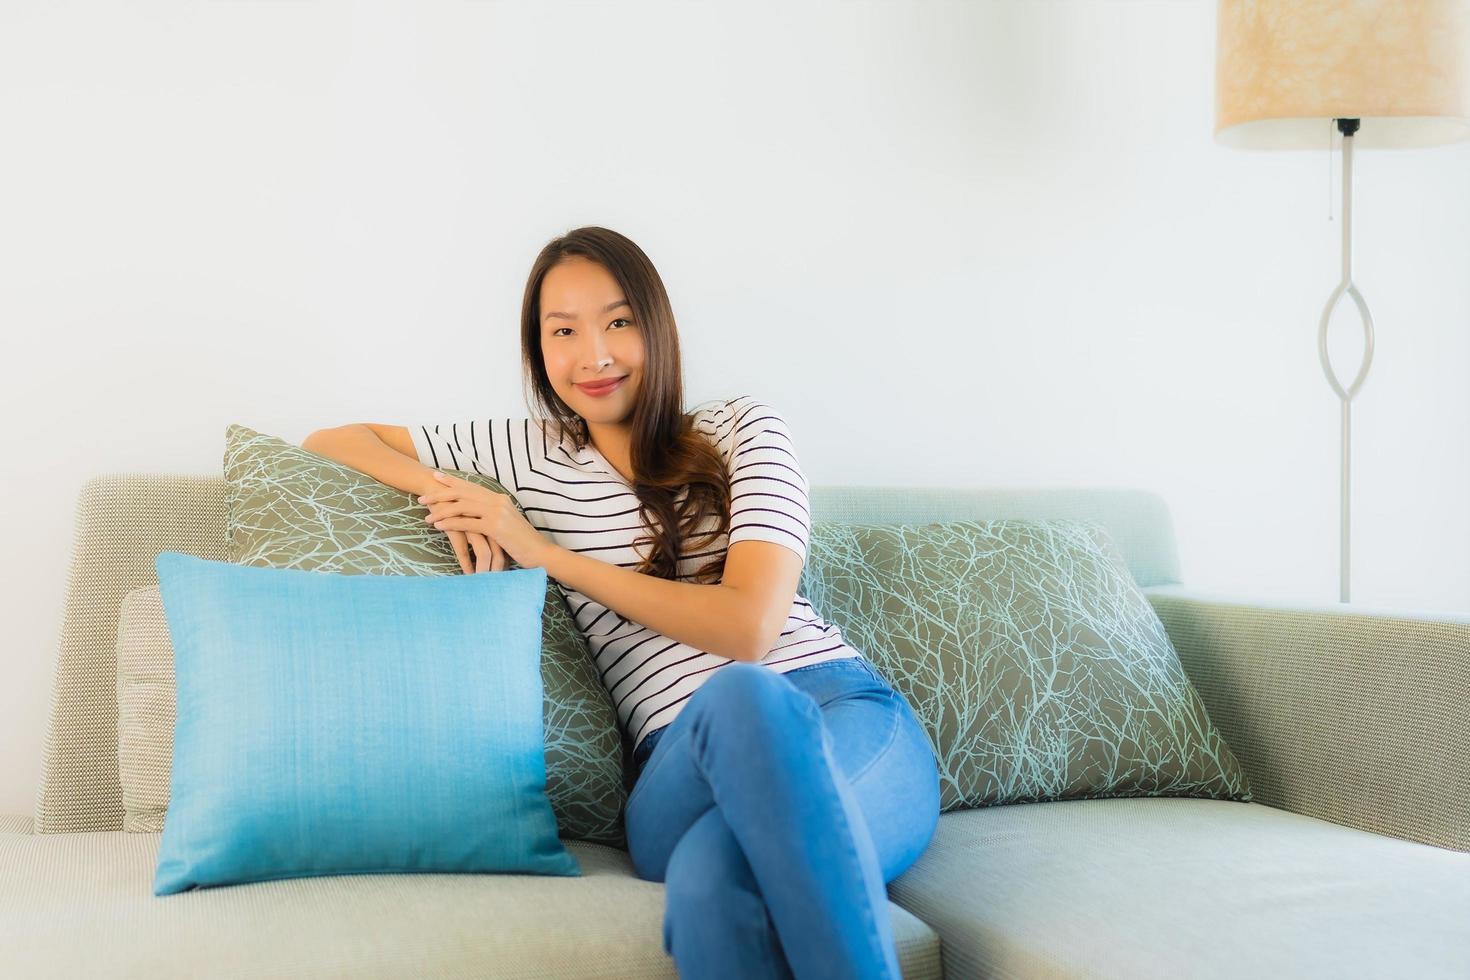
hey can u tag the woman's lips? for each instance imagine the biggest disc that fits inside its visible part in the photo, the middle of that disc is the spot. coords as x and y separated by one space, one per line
600 390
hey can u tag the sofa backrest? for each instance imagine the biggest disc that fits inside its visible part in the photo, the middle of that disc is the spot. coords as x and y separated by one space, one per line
123 520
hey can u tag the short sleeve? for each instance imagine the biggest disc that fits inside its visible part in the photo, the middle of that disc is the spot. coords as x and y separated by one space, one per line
769 496
472 445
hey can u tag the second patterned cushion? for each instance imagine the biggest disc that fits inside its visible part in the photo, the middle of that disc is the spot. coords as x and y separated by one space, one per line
1035 662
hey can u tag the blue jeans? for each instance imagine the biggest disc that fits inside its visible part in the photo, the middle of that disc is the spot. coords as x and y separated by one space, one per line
776 808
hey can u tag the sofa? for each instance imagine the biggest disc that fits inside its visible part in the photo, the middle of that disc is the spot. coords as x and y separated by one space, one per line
1352 859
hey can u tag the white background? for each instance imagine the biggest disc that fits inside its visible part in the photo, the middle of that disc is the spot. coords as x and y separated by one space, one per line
956 244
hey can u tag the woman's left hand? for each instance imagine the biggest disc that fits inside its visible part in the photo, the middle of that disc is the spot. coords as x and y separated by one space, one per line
466 506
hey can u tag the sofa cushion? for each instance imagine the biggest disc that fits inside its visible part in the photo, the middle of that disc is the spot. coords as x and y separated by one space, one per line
145 709
353 724
1035 662
79 905
288 507
1179 887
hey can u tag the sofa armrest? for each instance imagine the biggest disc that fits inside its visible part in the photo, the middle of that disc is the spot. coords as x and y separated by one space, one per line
15 823
1356 715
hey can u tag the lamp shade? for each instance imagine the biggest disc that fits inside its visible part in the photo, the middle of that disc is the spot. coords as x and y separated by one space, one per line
1285 68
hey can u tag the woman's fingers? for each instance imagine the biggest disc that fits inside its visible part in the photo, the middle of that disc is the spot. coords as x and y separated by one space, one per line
481 548
489 556
461 550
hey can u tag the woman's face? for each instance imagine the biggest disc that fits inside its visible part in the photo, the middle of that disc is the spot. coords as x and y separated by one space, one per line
587 334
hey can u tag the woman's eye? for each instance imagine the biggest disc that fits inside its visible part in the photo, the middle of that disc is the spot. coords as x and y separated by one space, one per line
558 330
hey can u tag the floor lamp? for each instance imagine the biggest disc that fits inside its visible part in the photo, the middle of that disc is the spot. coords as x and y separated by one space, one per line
1383 73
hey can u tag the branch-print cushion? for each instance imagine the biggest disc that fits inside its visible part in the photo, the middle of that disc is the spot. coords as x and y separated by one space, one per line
287 507
1038 667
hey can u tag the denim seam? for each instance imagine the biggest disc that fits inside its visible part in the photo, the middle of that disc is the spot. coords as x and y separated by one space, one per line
637 782
870 913
835 660
872 930
892 737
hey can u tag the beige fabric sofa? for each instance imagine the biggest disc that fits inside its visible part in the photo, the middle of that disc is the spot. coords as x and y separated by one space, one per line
1353 727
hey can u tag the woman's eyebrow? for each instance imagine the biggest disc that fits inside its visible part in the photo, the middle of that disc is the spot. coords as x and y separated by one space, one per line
606 309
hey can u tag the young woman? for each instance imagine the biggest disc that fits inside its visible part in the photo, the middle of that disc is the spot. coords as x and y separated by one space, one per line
781 781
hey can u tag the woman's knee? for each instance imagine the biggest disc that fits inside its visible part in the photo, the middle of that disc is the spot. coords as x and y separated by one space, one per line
752 693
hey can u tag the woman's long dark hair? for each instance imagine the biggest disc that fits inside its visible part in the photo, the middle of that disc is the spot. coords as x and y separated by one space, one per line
668 454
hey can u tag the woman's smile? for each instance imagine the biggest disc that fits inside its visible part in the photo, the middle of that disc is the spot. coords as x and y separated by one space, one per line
603 387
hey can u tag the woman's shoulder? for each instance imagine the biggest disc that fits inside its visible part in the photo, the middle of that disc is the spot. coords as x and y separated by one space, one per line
717 408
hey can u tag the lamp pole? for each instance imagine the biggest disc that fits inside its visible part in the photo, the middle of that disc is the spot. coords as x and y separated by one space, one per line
1347 127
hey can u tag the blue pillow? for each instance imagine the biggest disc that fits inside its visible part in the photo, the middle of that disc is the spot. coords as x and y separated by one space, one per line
354 724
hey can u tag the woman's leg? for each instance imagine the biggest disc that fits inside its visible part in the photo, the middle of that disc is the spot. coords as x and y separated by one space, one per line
791 762
722 927
885 755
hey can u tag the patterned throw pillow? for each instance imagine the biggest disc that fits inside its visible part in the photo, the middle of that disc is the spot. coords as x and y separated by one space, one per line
1038 667
288 507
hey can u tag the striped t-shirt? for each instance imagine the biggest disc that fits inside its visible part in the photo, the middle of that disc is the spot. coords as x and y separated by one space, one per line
580 502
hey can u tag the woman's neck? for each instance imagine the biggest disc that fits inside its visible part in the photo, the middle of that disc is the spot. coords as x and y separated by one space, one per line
615 443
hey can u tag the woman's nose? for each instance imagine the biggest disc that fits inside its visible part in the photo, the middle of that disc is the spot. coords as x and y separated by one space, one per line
597 353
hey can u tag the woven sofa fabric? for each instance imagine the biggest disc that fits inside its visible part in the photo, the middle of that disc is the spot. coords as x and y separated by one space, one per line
55 888
146 708
1358 717
122 520
1035 663
287 507
1182 887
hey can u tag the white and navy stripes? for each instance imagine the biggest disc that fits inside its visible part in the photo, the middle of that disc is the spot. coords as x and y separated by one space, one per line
578 500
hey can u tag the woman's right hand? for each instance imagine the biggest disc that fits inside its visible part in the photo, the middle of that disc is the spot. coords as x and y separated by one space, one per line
488 556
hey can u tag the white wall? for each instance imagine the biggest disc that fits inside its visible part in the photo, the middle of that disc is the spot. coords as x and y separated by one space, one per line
1005 223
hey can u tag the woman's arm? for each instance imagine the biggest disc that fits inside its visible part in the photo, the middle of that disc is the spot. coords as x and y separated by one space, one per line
718 619
362 448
